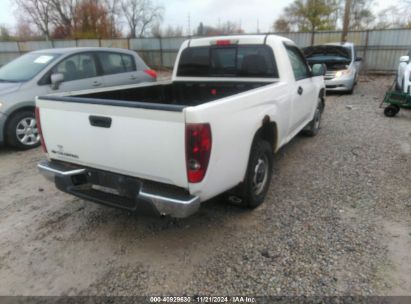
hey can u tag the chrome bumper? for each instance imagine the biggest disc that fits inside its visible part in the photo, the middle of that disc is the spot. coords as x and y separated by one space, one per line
339 84
130 193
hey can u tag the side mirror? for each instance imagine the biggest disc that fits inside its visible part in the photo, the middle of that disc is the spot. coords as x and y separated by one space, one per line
405 59
319 69
56 80
358 59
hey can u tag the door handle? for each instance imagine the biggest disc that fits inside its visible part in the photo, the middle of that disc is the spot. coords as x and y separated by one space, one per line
133 77
300 91
100 121
96 83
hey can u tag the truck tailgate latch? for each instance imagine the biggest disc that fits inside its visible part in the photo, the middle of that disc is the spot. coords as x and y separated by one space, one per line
100 121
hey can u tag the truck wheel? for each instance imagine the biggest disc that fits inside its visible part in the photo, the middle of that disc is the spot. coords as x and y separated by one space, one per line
21 131
391 110
253 190
314 125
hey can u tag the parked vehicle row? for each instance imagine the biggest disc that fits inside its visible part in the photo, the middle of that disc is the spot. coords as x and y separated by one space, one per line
58 70
168 146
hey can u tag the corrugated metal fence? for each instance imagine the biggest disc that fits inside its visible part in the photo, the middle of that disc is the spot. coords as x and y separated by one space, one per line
380 49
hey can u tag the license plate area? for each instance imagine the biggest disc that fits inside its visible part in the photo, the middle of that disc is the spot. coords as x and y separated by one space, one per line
108 183
106 190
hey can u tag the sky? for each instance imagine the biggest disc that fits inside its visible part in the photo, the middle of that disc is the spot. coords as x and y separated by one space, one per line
249 13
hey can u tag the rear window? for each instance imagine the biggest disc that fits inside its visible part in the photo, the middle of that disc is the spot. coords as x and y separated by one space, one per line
115 63
228 61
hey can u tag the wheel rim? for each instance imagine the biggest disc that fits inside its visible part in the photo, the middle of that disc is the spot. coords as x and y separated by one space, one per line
27 132
260 174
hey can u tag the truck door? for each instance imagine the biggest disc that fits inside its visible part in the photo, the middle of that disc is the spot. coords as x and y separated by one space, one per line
302 90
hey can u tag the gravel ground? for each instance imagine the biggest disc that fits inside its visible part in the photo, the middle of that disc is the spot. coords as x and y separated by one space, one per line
337 221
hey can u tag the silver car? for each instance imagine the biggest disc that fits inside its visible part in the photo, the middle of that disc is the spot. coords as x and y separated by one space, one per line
343 65
58 70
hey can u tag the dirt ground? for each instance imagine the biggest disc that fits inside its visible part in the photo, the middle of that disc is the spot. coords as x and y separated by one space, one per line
336 221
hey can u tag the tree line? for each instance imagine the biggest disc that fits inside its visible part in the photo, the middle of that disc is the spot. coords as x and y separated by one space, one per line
82 19
317 15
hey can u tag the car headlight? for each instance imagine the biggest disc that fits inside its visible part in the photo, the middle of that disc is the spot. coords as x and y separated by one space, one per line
1 104
343 73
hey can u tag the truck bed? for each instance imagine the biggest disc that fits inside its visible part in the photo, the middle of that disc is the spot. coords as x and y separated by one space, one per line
177 93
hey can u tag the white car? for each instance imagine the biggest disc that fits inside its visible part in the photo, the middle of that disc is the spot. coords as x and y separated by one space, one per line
58 70
403 80
231 103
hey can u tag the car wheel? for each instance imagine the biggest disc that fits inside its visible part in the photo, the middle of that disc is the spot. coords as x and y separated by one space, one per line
314 125
251 193
22 132
391 110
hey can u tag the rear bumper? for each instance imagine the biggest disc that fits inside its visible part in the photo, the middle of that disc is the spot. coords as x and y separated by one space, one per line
120 191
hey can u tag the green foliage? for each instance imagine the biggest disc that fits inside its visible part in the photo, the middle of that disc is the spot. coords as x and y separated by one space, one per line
5 34
361 16
321 15
311 15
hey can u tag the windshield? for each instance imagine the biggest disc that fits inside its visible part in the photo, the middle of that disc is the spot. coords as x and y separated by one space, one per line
228 61
26 67
324 53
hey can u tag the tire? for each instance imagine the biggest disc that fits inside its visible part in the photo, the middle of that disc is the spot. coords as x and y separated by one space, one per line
314 125
391 110
21 131
251 193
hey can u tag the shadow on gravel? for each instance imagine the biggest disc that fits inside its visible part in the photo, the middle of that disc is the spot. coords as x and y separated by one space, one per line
7 150
337 93
116 225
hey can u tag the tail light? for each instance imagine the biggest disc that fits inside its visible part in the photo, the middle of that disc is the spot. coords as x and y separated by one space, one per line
38 122
224 42
198 150
151 73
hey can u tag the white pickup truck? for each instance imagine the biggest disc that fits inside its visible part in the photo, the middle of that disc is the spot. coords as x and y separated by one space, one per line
168 146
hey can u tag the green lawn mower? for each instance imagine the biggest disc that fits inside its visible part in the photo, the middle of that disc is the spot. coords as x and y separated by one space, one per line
396 100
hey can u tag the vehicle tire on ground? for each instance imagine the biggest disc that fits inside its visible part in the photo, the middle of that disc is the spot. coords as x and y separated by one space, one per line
251 193
391 110
22 132
314 125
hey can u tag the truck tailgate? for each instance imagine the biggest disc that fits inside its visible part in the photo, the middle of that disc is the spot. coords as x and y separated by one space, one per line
142 142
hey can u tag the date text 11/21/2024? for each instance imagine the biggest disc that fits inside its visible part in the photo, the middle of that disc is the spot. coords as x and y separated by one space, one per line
203 299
